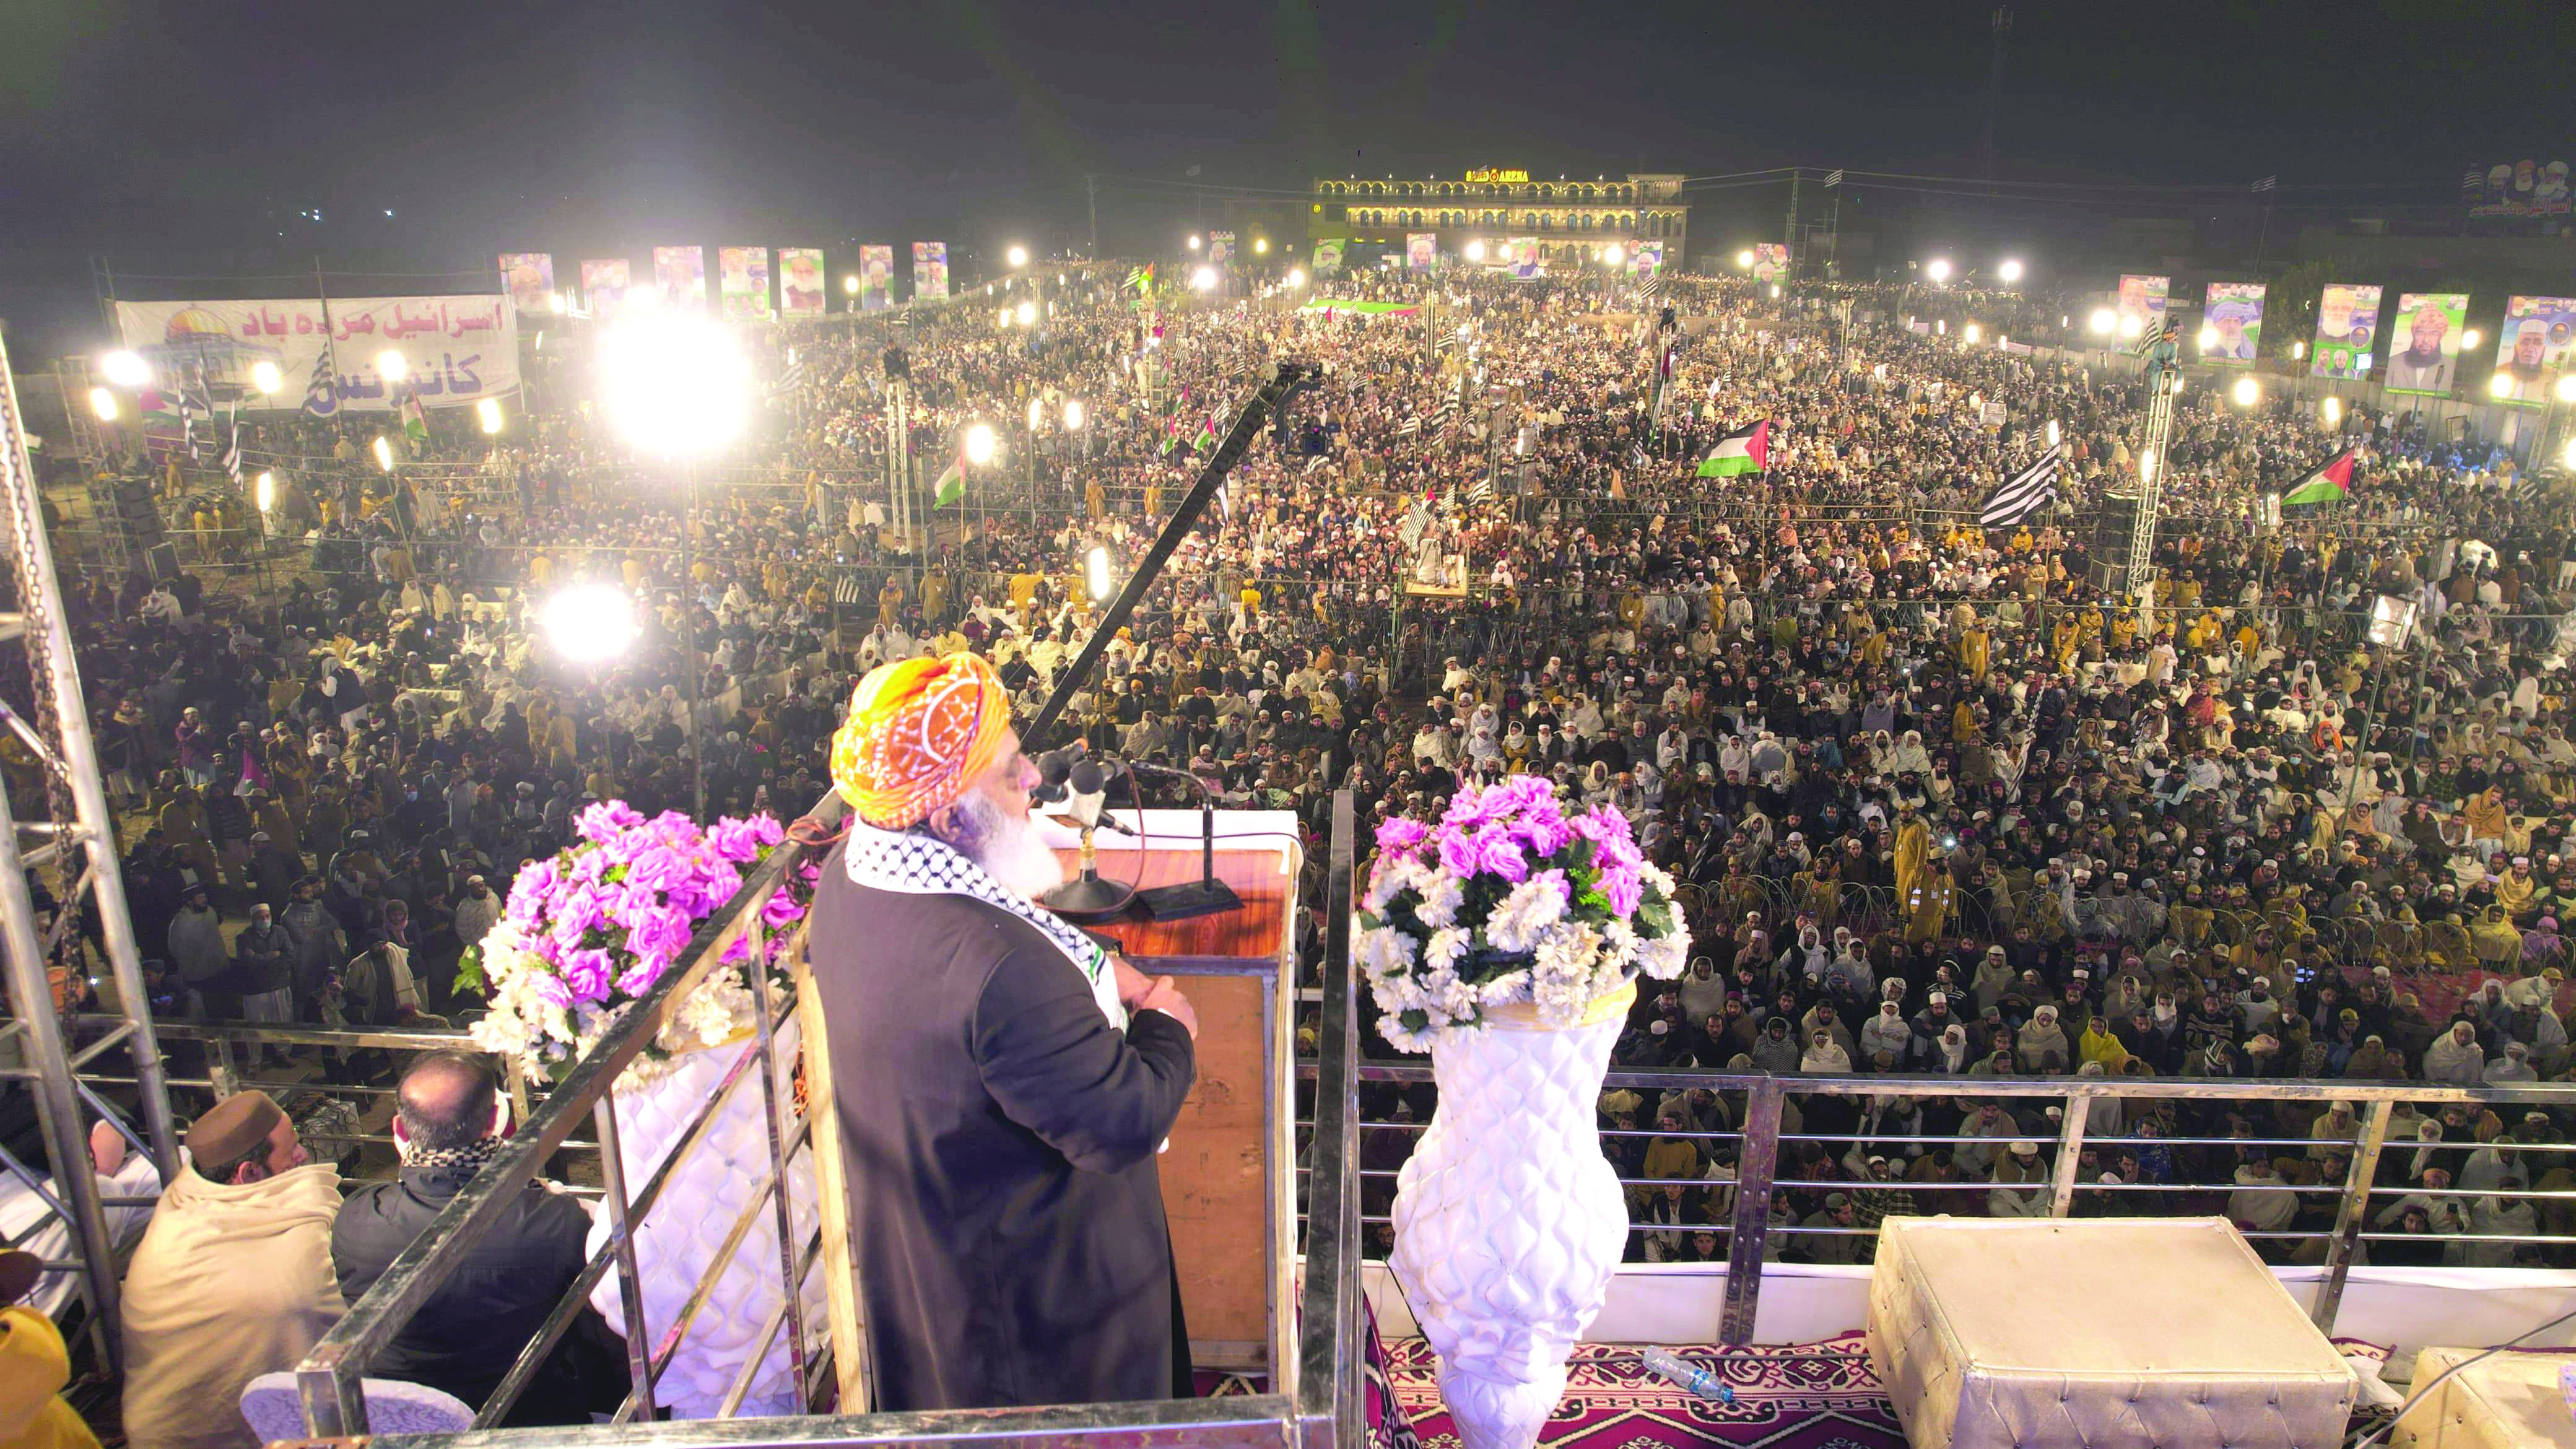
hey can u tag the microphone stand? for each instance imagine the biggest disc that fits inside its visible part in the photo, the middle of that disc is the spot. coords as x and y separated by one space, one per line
1206 896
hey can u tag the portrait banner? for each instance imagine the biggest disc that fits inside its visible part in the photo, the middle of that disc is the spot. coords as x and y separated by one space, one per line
680 276
2425 336
803 282
1328 258
456 350
529 278
1770 261
2142 303
603 287
1421 249
929 269
742 283
2347 331
2231 324
1220 248
1645 259
876 276
2531 347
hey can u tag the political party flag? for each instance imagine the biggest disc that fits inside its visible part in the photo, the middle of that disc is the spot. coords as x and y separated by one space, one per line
232 449
2023 493
2328 482
319 399
951 487
1746 450
415 418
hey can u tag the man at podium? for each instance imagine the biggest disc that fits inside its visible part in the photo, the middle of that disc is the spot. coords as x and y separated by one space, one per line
1002 1084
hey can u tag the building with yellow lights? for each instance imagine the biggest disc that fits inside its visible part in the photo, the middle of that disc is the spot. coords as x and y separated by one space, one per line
1570 220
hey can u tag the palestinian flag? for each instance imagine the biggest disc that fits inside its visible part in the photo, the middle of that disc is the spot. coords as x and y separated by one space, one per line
2328 482
1746 450
415 419
951 487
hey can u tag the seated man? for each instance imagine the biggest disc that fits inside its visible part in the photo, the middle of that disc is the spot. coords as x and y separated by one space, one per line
233 1278
450 1117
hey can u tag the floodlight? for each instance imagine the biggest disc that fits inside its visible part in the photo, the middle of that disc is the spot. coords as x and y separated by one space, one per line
384 452
1073 413
675 383
2208 337
1261 246
2500 385
103 403
1614 254
264 491
2052 432
1095 572
2566 388
1204 279
2470 338
1017 256
1476 251
589 623
2332 408
2010 270
1296 276
1968 334
1938 269
125 369
850 284
391 366
981 444
1028 315
2103 321
266 378
488 413
2247 392
1194 241
1744 258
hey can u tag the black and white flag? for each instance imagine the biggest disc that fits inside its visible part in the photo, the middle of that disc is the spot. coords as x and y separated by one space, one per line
2022 494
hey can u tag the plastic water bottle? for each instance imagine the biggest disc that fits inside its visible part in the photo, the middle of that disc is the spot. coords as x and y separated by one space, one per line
1689 1375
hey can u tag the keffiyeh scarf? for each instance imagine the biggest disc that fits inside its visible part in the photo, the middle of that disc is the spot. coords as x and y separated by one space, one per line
913 864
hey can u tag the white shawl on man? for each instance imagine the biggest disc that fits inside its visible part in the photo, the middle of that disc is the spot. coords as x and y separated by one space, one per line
232 1280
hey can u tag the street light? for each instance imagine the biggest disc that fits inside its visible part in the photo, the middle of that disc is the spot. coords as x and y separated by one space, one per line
1095 572
590 623
1614 254
981 444
675 383
2247 392
103 403
488 413
1938 269
1476 250
264 491
1073 414
125 369
2500 385
265 377
2010 271
1017 256
384 452
1204 279
2102 321
1744 259
391 367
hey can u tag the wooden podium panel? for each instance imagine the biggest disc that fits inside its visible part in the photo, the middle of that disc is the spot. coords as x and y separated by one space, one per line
1221 1184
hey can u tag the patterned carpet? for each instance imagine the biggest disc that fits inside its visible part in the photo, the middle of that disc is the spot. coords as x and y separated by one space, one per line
1791 1397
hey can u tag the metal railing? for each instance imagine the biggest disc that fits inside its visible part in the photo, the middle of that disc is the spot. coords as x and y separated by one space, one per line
1759 1101
1313 1403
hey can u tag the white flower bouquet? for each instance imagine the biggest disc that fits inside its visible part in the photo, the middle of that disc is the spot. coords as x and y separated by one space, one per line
1510 900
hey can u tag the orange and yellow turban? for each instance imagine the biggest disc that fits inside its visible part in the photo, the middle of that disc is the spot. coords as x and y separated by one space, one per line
919 732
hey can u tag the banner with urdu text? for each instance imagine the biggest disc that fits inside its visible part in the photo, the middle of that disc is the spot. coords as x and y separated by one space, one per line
456 350
2532 346
680 275
929 269
876 276
803 282
2347 331
529 278
603 287
742 283
2231 323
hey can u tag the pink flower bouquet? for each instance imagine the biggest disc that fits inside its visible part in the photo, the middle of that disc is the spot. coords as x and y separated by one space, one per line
587 932
1509 899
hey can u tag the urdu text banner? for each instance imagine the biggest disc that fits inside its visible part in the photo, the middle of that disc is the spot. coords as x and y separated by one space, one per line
457 350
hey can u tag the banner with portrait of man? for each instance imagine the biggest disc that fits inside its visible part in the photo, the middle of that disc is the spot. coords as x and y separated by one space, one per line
2231 323
1421 249
2531 347
529 278
2142 303
929 269
1770 261
803 282
1220 248
2425 338
2347 331
876 276
680 275
603 286
1328 257
742 283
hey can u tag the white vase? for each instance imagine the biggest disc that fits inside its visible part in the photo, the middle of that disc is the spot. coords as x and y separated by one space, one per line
1508 1221
687 1227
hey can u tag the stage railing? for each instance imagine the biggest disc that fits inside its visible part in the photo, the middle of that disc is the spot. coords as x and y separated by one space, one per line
1756 1102
1313 1403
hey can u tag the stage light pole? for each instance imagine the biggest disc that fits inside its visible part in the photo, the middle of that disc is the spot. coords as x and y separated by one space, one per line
676 385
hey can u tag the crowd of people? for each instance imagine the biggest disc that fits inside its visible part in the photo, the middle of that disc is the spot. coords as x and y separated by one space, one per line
1941 804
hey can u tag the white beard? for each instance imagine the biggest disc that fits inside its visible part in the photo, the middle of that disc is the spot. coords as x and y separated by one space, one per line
1007 847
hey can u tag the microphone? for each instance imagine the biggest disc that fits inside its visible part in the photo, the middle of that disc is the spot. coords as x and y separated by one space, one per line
1054 768
1086 785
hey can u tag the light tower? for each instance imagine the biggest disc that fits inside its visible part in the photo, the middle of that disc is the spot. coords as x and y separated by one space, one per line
2164 379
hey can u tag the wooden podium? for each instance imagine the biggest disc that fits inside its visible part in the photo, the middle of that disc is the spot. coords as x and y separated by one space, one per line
1228 1177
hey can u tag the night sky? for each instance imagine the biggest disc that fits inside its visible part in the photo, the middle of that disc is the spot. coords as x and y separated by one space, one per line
182 138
